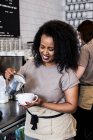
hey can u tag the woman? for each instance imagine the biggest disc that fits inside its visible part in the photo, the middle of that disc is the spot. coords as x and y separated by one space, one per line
84 114
51 76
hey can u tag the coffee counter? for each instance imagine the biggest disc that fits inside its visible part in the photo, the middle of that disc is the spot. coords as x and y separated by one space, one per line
12 118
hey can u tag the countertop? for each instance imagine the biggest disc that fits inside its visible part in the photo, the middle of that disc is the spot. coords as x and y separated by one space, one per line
13 115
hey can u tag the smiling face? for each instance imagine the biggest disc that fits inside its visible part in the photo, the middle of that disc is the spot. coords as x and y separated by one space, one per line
46 50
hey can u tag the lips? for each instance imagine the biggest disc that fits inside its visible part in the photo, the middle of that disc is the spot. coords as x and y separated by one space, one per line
45 57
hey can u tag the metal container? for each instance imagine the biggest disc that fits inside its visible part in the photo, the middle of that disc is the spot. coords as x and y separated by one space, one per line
15 84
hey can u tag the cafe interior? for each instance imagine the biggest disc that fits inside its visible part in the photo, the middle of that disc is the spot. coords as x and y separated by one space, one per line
19 21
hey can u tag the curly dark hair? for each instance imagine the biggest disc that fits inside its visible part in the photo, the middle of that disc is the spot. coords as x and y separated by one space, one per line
86 30
65 44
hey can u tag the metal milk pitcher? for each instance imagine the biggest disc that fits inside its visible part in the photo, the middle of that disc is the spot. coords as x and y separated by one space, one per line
15 84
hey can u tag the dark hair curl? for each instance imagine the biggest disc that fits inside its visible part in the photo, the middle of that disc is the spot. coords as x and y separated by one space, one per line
65 44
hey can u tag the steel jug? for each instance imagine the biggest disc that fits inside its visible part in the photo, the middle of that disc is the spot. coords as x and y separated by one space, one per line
15 84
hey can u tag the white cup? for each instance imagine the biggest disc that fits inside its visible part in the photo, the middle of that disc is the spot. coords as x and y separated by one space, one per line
71 7
84 14
68 15
82 6
78 15
77 7
71 22
87 6
26 97
73 15
76 22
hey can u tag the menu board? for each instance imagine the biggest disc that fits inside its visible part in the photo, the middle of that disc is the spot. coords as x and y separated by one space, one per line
9 18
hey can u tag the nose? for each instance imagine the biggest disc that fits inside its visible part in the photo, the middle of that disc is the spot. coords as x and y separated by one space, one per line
45 51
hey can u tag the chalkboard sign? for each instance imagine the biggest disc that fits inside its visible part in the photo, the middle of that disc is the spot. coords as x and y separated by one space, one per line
9 18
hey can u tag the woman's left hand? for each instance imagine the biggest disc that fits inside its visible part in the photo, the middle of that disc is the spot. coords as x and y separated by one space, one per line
39 102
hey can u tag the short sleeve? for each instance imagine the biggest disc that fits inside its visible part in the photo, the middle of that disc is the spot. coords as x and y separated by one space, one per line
68 80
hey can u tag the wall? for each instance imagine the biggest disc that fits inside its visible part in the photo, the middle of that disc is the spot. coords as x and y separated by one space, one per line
77 11
33 13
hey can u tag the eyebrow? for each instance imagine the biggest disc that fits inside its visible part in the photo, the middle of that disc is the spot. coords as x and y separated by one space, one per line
48 46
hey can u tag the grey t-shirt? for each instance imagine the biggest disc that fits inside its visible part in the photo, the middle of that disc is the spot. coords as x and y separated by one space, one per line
47 82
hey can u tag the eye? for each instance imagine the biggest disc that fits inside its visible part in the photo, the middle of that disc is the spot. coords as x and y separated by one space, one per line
51 49
42 46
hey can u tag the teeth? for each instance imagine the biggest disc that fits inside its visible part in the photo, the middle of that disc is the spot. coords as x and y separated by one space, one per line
45 57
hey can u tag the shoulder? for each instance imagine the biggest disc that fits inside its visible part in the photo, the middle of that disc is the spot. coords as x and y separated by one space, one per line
87 46
69 79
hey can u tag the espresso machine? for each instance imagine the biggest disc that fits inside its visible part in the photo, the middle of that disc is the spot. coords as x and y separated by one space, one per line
11 87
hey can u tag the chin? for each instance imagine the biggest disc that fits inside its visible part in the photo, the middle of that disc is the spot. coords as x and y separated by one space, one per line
47 61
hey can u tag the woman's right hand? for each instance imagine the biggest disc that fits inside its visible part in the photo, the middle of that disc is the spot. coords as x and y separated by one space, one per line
9 72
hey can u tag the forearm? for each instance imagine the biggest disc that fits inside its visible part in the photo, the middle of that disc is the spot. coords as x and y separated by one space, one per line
70 105
60 107
80 71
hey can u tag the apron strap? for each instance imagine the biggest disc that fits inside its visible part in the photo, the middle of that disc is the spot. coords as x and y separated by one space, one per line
34 118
